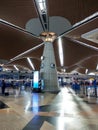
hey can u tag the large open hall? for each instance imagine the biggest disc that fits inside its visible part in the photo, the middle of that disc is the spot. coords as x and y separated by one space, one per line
49 65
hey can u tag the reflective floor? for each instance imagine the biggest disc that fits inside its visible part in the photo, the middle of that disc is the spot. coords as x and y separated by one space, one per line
46 111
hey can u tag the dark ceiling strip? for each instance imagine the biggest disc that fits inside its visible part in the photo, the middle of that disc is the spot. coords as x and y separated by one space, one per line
78 25
17 28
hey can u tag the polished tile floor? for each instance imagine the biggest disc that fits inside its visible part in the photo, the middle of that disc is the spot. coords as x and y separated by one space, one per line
46 111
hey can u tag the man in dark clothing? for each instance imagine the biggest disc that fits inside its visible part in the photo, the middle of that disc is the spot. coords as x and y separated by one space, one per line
95 87
3 87
76 87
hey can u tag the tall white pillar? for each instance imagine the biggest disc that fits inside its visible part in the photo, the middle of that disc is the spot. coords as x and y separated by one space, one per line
48 69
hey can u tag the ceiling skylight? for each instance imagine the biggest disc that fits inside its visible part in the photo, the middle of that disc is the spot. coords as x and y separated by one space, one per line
91 35
42 5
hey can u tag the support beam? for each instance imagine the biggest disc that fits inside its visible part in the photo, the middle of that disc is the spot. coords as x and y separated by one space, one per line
48 69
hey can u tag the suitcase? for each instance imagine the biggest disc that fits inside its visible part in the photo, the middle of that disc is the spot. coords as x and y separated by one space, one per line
6 93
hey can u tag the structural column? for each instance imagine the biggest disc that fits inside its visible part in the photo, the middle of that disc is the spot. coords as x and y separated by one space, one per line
48 71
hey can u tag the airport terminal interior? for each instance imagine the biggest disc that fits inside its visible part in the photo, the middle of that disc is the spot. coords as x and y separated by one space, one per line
49 65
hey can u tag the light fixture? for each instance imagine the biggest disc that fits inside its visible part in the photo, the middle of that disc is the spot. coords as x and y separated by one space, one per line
16 67
19 56
64 70
42 57
97 67
48 36
86 71
86 19
30 62
60 51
